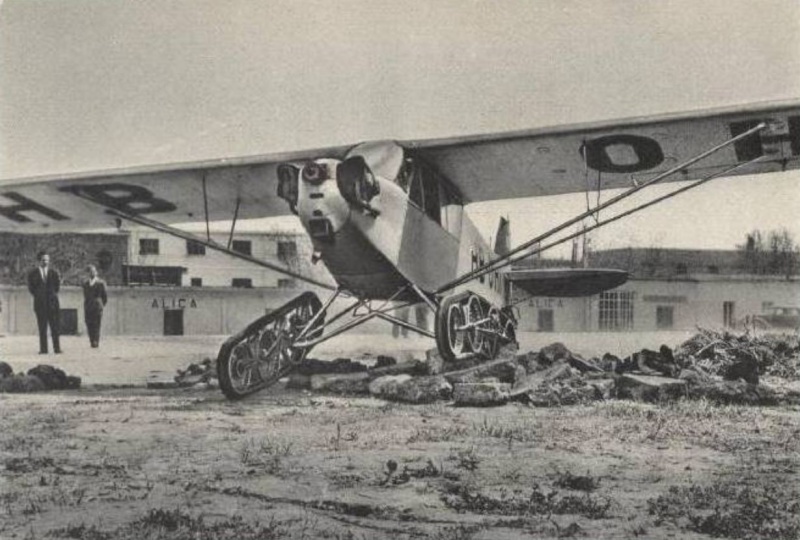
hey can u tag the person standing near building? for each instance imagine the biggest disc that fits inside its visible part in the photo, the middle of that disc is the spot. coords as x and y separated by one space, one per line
44 283
94 300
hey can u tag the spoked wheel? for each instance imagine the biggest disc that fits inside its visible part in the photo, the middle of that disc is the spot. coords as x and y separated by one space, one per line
264 352
474 313
450 338
492 337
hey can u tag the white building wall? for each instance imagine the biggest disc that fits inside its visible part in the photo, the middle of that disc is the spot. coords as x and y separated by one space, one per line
217 269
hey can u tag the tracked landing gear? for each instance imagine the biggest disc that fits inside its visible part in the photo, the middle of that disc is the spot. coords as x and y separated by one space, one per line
266 350
467 325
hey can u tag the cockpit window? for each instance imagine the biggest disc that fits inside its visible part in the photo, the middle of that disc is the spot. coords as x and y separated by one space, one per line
431 193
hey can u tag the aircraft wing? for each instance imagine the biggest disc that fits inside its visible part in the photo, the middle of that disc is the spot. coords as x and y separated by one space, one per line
552 161
566 282
175 193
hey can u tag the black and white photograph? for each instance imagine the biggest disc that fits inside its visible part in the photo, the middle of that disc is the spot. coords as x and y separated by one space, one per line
381 269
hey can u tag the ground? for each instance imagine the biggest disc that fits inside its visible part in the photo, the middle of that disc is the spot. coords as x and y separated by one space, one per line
110 462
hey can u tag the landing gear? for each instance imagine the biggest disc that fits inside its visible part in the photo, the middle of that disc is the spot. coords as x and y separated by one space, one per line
265 351
467 325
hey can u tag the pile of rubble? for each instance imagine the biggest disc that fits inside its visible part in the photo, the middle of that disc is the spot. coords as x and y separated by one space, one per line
38 379
721 367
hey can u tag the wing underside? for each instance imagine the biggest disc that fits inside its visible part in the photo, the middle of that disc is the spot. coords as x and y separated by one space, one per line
559 160
532 163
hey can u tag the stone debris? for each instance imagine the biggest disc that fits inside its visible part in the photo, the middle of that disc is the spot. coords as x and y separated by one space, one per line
481 394
718 366
38 379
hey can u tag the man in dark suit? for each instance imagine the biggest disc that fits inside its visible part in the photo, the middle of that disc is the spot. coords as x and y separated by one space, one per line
94 300
44 283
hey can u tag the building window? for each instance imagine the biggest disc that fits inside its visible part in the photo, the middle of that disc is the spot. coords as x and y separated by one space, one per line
616 310
152 275
665 317
287 283
104 260
729 314
713 269
242 246
196 282
148 246
243 283
681 269
287 250
195 248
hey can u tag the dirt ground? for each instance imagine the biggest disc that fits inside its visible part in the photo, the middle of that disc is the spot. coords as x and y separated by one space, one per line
103 463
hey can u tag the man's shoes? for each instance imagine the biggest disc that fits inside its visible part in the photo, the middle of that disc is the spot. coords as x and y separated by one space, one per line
57 351
94 344
42 352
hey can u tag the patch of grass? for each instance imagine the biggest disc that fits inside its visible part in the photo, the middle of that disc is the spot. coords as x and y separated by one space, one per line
161 524
576 482
265 453
538 502
731 510
500 431
466 459
438 434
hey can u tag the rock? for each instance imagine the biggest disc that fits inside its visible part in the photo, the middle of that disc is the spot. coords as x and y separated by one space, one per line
312 366
603 388
384 361
480 394
609 362
503 369
553 352
735 393
695 375
653 362
72 382
649 388
744 366
52 377
21 384
412 367
342 383
387 384
190 379
584 366
414 389
5 370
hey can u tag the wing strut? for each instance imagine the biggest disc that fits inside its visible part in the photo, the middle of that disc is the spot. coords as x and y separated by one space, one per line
507 258
233 223
205 206
173 231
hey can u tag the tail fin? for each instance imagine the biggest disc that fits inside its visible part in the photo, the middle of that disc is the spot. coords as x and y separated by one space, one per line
502 242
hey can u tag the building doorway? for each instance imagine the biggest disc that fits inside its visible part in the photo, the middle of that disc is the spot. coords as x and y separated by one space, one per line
545 321
68 322
173 322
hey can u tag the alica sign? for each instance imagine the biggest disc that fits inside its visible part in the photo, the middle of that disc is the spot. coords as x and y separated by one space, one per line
173 303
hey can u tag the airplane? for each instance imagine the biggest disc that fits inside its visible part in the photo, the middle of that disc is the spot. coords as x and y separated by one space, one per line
387 218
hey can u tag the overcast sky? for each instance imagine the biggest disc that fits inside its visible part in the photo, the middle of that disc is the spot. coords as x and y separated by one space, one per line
90 84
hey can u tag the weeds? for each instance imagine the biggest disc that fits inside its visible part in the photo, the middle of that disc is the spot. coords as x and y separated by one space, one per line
499 431
463 499
731 510
264 453
466 459
438 434
160 524
567 480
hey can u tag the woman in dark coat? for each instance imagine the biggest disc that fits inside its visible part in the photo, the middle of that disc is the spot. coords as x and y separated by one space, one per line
94 300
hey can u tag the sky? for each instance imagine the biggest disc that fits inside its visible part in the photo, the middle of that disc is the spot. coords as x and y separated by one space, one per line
90 85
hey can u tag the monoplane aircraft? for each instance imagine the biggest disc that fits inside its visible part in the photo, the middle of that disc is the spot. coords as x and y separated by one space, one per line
387 218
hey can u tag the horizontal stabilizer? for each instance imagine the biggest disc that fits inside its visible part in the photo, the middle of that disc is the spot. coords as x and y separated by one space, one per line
566 282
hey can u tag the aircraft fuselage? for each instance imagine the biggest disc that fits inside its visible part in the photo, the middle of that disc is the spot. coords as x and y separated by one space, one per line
409 227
